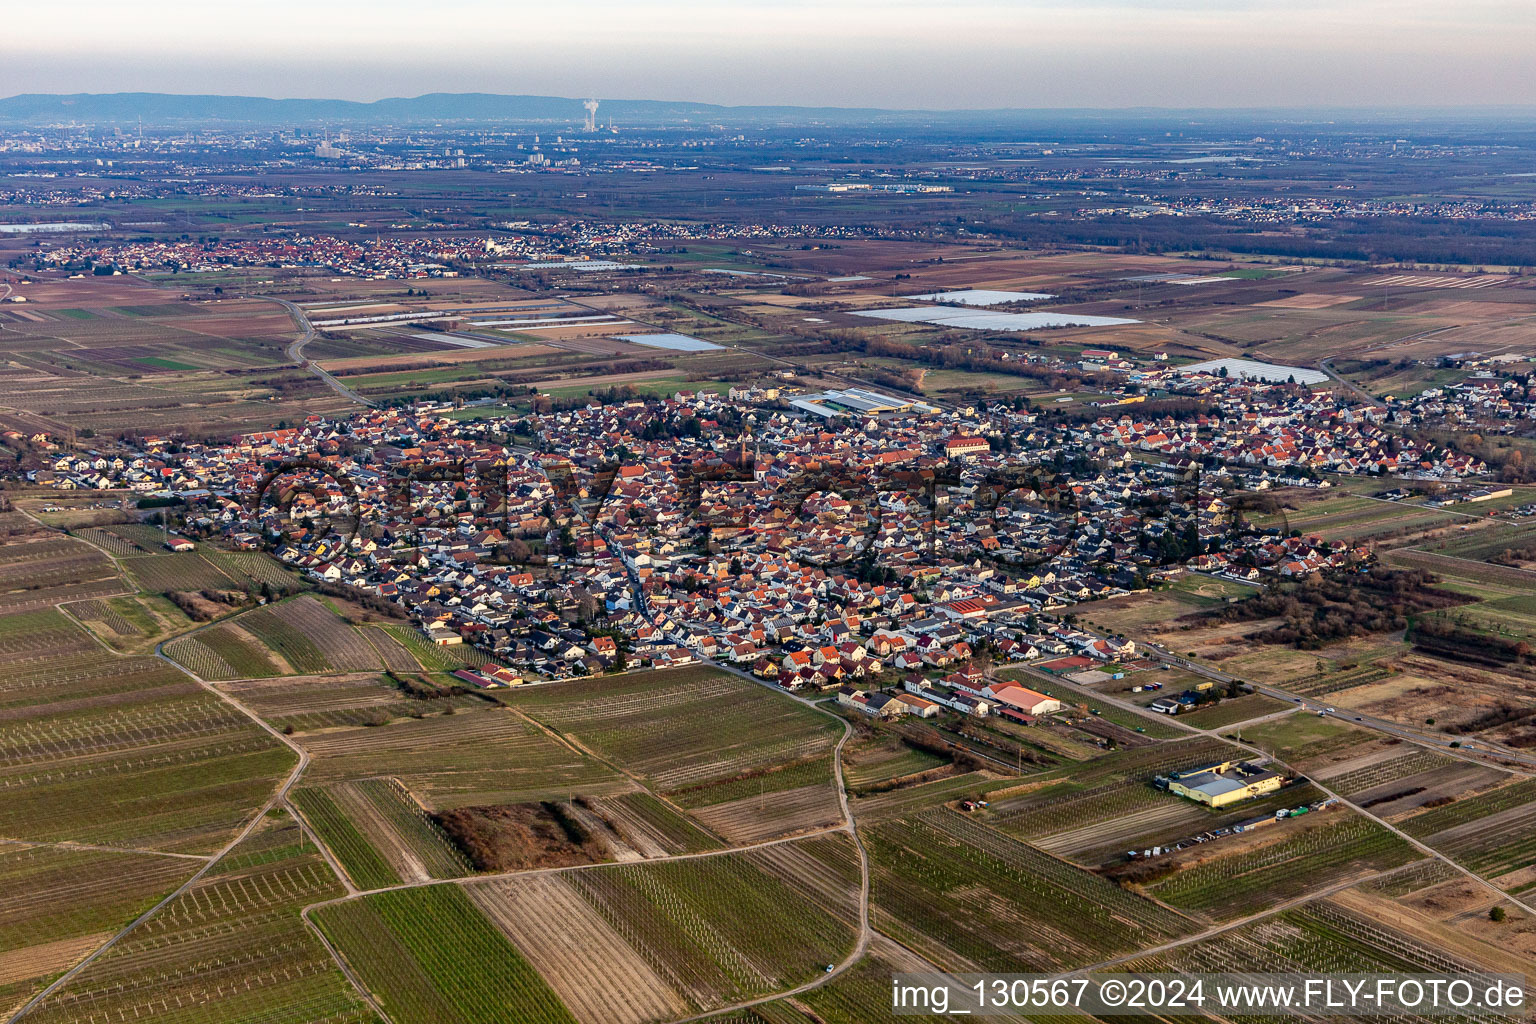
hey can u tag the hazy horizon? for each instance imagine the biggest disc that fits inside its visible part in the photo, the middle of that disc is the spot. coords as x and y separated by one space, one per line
901 54
1319 109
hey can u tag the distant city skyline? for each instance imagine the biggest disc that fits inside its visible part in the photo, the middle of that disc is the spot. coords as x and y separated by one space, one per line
895 53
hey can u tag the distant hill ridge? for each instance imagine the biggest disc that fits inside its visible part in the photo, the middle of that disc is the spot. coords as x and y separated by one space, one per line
160 108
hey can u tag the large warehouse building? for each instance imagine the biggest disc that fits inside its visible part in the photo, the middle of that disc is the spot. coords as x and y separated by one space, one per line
858 402
1225 782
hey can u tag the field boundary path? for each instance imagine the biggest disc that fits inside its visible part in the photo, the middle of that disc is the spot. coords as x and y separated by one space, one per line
1509 758
279 797
1218 929
98 848
861 944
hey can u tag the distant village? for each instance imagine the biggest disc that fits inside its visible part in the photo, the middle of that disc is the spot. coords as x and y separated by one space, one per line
412 257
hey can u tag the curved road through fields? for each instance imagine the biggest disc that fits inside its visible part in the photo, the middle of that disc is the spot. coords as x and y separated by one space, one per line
296 354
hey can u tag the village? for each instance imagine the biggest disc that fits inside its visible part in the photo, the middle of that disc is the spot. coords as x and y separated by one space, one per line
890 543
516 246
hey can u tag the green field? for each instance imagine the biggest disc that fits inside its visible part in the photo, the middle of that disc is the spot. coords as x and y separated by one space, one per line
731 925
911 799
687 730
1067 805
297 649
1298 737
1357 518
221 653
359 858
646 814
37 574
809 771
433 958
1233 710
1489 542
1412 762
1496 847
255 567
431 656
306 704
403 825
959 892
231 950
113 542
1318 937
1207 591
170 572
486 756
1469 809
164 364
849 997
1254 880
56 905
124 751
1141 764
867 767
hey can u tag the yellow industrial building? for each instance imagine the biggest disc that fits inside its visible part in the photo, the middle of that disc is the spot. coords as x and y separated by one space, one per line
1225 782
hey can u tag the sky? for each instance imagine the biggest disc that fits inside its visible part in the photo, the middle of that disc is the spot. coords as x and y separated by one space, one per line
934 54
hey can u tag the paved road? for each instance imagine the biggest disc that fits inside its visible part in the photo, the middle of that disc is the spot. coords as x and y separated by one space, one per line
1471 751
1326 365
296 354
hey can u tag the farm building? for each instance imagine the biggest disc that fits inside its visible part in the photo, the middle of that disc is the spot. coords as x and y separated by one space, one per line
964 703
915 705
970 705
442 636
1225 782
1021 699
858 402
